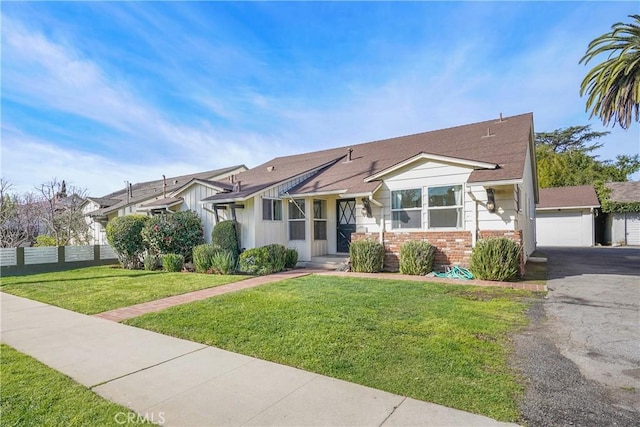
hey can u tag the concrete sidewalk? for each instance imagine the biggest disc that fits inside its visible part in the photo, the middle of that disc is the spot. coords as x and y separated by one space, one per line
187 384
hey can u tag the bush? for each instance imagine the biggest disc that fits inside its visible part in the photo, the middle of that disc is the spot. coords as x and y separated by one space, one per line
495 259
367 256
264 260
416 257
291 258
203 257
44 240
152 262
175 233
224 235
223 262
124 235
172 262
254 261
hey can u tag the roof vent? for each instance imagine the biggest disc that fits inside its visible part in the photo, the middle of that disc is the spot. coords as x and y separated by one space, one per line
175 181
271 168
349 151
489 134
237 187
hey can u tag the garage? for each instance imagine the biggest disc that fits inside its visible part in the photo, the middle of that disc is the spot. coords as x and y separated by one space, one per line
564 229
565 216
623 225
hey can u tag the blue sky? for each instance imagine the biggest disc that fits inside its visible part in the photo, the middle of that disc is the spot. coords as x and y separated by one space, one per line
102 93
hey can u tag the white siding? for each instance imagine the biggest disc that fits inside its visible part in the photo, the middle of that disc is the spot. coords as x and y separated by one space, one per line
97 233
421 175
192 197
526 218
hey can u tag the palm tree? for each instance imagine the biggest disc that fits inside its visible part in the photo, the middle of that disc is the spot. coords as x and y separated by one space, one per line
613 86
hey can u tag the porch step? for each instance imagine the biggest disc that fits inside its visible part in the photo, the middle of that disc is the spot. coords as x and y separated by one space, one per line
328 263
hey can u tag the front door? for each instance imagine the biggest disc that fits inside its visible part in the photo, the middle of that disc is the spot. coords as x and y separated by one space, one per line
346 223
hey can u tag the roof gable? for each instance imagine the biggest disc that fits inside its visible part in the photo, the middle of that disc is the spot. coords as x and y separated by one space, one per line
434 157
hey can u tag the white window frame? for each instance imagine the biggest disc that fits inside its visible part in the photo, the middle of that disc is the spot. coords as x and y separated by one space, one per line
320 219
272 205
300 206
408 209
449 207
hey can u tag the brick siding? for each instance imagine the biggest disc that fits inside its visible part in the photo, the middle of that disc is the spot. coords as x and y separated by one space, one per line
451 247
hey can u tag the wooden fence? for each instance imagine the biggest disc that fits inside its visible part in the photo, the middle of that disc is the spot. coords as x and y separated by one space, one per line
15 261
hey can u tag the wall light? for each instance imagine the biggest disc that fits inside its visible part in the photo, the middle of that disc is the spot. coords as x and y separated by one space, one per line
491 200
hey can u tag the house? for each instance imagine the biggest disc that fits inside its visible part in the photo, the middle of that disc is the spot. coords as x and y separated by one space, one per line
450 187
162 195
565 216
623 225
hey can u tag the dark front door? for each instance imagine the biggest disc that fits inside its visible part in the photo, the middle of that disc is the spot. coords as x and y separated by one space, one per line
346 223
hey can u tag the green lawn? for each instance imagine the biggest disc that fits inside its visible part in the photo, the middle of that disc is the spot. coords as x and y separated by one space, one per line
440 343
36 395
97 289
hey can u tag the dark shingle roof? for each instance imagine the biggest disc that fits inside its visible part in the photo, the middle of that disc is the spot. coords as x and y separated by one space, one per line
624 191
568 197
145 190
503 142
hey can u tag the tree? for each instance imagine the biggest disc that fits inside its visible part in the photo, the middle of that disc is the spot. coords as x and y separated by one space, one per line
613 86
19 216
62 216
565 158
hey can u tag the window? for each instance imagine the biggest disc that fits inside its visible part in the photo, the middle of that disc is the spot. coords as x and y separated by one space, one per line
445 206
296 219
320 220
272 209
406 208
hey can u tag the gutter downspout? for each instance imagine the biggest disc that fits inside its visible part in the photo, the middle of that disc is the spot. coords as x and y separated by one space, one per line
475 231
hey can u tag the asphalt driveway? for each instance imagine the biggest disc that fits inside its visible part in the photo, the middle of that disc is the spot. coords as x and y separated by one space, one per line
581 354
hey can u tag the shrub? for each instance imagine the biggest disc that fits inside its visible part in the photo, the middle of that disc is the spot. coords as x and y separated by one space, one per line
223 262
175 233
172 262
152 262
291 258
264 260
367 256
224 235
44 240
203 257
254 261
124 235
416 257
495 259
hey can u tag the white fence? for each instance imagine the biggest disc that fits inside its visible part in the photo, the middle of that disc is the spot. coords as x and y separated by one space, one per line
25 259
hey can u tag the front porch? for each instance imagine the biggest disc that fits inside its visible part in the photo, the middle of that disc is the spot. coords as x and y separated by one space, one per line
328 262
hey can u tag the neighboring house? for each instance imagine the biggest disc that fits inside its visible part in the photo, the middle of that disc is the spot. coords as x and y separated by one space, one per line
623 227
565 216
450 187
163 195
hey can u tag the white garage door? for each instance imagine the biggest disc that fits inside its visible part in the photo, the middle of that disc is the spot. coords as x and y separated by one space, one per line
633 228
560 229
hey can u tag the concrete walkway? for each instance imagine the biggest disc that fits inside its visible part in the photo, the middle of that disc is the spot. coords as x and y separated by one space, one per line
124 313
182 383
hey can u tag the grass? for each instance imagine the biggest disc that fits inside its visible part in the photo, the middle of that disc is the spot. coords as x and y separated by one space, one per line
96 289
36 395
439 343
